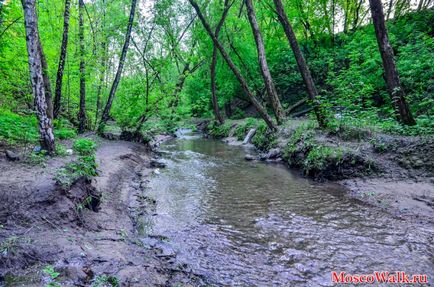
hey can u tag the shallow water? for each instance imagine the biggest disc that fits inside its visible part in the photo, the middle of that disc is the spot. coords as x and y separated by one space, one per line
245 223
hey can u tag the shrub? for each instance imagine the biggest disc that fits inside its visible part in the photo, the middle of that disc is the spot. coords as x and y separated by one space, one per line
219 131
84 147
264 139
65 133
242 129
84 166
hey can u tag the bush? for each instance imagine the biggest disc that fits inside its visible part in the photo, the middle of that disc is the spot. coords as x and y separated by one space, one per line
84 147
65 133
264 139
18 129
84 166
242 129
219 131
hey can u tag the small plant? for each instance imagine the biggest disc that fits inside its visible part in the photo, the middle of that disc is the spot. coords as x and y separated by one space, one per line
53 275
61 150
105 281
9 245
37 158
84 147
219 131
84 166
264 139
65 133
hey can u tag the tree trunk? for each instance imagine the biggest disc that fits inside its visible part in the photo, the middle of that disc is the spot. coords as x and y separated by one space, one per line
61 67
214 100
268 80
106 112
262 112
301 63
46 78
82 111
101 81
35 67
391 75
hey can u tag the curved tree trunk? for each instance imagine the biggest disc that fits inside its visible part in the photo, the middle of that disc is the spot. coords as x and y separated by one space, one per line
106 112
214 100
268 80
262 112
301 63
82 111
61 67
35 67
391 75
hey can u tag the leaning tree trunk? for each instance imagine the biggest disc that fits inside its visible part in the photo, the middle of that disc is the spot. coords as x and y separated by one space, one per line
47 83
266 75
82 111
391 75
262 112
106 112
61 67
35 67
214 100
301 63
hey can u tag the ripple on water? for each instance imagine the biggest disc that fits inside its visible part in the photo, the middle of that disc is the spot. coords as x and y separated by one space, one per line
251 224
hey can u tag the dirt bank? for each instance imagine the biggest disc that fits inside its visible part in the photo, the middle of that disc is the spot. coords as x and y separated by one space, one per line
395 173
41 225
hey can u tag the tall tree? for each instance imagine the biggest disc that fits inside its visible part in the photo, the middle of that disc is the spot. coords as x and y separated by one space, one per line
266 75
82 111
258 106
106 112
61 67
35 67
391 75
46 78
301 63
214 100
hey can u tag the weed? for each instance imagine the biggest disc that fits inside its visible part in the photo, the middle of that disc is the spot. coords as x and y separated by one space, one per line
53 275
84 147
219 131
264 138
61 150
37 158
84 166
9 245
105 281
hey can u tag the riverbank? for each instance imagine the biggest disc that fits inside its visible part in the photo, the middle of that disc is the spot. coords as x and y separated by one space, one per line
52 235
392 172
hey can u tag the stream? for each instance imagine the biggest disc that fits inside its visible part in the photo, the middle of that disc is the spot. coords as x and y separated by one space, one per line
241 223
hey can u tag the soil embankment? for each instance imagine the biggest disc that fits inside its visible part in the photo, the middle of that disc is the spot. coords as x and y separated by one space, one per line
42 225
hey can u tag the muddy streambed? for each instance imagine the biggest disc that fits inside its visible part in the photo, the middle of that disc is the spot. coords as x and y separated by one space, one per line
242 223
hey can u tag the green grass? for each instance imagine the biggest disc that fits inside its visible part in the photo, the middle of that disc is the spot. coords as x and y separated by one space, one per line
17 129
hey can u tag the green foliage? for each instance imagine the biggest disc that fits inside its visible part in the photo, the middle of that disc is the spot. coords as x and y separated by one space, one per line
9 245
242 129
105 281
50 272
84 147
83 166
219 131
18 129
61 150
319 156
36 158
264 139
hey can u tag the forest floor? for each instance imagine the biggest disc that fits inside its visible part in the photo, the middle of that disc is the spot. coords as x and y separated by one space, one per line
45 238
393 172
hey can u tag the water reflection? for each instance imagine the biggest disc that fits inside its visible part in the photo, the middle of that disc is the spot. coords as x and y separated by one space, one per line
252 224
